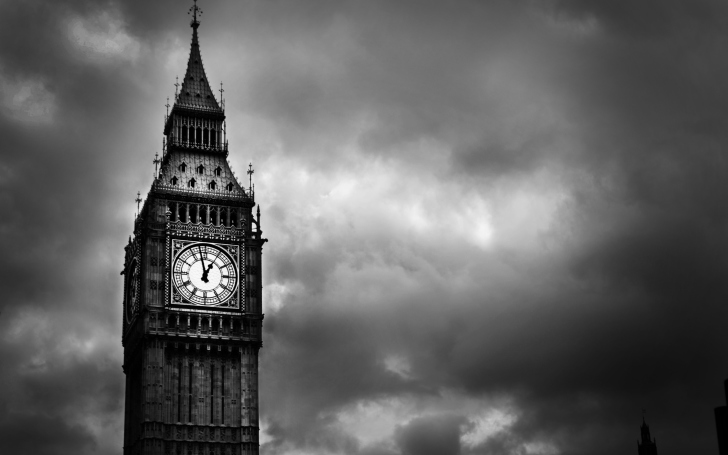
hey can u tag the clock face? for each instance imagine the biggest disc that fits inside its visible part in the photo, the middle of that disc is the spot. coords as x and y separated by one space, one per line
132 291
205 274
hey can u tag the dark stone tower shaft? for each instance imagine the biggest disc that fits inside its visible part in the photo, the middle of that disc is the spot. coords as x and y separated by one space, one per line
192 291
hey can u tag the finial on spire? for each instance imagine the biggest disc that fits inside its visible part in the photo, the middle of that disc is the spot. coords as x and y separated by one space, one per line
138 200
222 102
250 176
176 86
194 9
156 159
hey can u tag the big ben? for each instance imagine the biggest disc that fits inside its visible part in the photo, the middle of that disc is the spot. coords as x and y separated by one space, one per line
192 290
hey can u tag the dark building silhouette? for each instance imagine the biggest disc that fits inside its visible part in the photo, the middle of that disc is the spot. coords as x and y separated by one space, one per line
192 290
648 445
721 423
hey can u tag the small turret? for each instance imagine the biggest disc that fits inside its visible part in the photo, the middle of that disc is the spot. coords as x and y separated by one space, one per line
648 446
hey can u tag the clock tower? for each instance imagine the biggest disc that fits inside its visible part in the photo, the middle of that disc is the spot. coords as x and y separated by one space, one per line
192 290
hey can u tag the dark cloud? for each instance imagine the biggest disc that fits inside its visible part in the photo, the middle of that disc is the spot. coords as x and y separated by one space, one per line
44 435
430 435
495 227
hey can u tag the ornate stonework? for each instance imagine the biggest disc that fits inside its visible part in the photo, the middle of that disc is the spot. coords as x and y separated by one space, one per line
191 340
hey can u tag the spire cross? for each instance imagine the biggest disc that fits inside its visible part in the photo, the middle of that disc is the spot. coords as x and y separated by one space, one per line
250 175
138 200
194 9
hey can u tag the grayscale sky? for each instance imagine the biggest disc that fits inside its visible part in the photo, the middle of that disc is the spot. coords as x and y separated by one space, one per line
496 227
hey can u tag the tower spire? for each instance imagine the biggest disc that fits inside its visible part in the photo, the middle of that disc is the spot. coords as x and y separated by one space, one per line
195 92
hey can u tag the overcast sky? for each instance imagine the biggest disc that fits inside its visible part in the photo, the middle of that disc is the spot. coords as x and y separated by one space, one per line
496 227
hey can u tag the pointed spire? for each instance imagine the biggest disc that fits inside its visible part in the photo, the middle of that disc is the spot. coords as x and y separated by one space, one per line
195 92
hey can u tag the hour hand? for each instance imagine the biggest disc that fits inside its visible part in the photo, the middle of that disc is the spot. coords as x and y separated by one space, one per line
205 272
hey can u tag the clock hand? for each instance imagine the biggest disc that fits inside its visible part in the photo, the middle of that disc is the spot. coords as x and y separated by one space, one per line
204 272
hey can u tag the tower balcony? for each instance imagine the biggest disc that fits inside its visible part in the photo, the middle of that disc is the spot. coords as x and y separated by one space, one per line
215 147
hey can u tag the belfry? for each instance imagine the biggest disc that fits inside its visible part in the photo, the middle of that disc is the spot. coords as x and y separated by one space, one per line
192 290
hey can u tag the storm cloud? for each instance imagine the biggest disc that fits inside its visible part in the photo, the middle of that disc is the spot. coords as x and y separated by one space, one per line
495 227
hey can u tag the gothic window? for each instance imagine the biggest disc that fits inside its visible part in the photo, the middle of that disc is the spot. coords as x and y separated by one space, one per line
206 136
197 95
191 183
213 137
200 169
212 393
218 171
182 167
234 218
224 217
198 136
189 396
229 186
212 185
174 181
193 213
185 136
204 215
183 213
172 209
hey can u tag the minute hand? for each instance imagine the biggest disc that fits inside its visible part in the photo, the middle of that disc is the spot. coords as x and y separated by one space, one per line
204 269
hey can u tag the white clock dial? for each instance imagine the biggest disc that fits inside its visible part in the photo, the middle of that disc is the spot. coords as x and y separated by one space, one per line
205 275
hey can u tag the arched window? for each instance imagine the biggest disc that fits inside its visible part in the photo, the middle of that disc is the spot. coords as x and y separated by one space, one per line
212 185
198 136
213 137
185 134
173 181
182 167
172 209
230 186
200 169
218 171
206 137
191 183
224 216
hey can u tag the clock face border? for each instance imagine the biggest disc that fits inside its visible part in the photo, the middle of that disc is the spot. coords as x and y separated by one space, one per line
236 254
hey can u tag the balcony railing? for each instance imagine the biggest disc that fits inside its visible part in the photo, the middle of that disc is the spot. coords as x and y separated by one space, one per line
216 147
